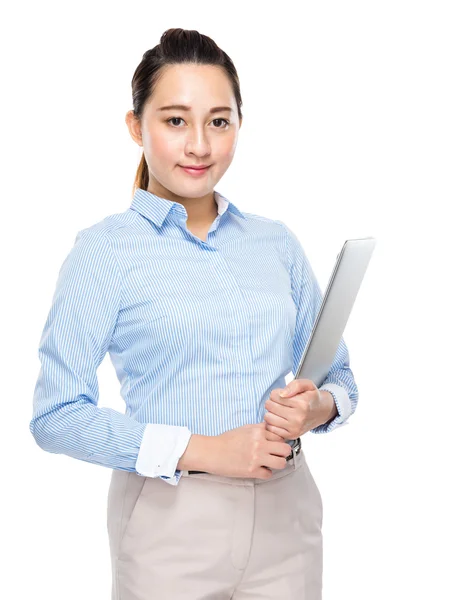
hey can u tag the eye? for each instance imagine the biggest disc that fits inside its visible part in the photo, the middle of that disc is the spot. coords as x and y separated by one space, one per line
174 119
181 119
226 123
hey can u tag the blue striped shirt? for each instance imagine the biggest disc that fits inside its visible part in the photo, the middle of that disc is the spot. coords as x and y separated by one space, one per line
199 333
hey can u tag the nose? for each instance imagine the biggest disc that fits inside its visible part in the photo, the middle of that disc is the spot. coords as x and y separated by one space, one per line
197 142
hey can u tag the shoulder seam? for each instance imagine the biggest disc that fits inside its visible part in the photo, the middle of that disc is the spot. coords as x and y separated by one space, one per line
285 230
119 270
289 254
258 217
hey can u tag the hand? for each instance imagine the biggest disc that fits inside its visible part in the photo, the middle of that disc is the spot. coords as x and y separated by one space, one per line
249 451
304 408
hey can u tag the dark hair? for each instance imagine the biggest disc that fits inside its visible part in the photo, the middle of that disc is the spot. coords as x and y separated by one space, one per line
177 46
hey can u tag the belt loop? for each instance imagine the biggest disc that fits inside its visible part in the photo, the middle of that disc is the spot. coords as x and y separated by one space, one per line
295 458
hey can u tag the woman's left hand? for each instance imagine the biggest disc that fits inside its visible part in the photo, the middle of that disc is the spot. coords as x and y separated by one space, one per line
303 408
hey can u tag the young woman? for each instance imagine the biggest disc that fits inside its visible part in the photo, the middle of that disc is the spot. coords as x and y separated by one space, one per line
204 309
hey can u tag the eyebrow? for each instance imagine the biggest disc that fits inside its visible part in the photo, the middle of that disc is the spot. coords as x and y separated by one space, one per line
187 108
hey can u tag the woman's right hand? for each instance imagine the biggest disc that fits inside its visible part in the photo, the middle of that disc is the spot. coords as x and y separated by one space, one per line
249 451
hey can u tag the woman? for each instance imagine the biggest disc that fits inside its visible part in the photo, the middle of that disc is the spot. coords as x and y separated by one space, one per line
204 309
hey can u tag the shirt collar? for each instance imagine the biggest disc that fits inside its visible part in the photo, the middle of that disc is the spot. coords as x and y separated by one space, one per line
157 209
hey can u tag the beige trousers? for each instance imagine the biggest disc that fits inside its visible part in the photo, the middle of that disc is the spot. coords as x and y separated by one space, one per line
216 538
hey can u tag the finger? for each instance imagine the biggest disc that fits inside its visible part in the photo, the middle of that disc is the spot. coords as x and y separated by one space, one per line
272 437
281 408
282 433
279 401
276 421
297 386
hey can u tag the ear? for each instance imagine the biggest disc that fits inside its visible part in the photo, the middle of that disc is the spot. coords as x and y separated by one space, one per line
134 127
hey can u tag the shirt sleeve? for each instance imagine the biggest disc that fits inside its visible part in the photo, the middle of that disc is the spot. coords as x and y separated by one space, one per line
78 331
307 295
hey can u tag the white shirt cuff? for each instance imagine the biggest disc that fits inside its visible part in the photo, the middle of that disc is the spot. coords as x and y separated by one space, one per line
344 408
161 448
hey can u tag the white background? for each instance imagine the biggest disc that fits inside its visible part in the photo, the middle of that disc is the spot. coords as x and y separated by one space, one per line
355 124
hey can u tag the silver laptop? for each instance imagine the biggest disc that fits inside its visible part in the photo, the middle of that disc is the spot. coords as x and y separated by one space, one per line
336 307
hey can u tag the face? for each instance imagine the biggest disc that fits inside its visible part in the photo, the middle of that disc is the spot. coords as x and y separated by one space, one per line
174 137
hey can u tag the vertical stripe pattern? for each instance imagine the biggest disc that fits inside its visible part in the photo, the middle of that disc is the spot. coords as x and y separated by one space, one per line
199 333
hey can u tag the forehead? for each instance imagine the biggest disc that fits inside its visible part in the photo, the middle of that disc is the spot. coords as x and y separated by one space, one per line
194 86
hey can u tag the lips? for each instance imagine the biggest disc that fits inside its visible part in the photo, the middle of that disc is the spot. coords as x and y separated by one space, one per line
195 167
199 172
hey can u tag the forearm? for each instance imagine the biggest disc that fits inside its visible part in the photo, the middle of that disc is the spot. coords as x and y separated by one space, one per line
82 430
335 411
342 385
198 454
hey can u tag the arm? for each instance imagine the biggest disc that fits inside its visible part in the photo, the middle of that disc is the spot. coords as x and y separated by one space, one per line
307 295
199 453
76 336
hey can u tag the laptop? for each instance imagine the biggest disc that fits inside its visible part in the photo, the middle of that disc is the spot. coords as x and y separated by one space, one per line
335 310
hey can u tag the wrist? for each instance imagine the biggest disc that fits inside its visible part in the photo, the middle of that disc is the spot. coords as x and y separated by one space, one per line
198 454
330 408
